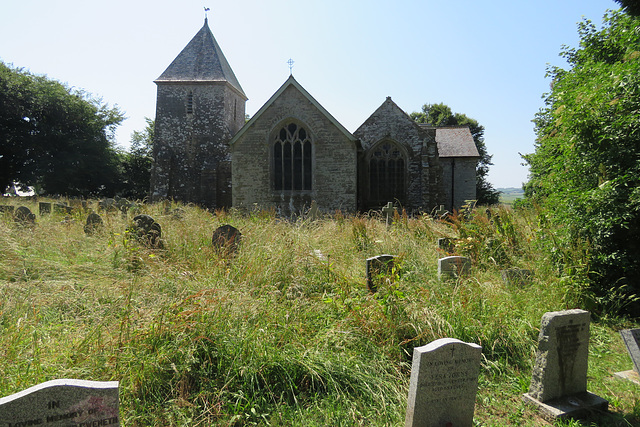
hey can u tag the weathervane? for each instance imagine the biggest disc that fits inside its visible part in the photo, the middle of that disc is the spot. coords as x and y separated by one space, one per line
290 62
206 9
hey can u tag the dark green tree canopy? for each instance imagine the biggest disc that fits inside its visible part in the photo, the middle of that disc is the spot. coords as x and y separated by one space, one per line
586 164
441 115
137 163
54 138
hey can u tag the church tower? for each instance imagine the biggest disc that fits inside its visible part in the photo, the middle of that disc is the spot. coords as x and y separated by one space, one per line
200 106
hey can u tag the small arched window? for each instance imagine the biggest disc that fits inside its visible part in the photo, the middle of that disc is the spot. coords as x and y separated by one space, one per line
386 173
292 159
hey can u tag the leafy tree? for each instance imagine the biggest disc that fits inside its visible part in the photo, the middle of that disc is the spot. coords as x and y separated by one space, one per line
441 115
632 7
586 164
55 138
137 163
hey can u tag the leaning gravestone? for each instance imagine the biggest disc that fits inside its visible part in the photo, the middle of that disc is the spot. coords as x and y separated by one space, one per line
226 238
94 224
443 385
147 231
452 267
559 380
378 267
631 338
23 216
63 403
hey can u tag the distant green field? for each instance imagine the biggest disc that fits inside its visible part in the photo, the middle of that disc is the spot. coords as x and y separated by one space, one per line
509 195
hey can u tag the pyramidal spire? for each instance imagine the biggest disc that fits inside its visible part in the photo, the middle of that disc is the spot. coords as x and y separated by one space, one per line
201 60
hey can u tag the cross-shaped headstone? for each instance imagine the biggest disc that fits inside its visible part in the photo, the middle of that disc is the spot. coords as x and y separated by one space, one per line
388 211
441 211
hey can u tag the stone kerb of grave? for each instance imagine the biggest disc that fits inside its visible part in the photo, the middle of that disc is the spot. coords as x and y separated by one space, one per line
378 268
63 402
444 383
94 224
147 231
516 276
226 238
452 267
559 379
631 338
23 216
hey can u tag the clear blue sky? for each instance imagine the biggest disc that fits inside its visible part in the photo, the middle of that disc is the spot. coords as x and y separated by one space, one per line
486 59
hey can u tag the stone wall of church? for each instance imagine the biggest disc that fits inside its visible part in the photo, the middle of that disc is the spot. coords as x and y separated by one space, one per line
458 181
334 171
194 122
422 178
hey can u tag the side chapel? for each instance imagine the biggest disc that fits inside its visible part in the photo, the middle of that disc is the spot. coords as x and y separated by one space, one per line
293 151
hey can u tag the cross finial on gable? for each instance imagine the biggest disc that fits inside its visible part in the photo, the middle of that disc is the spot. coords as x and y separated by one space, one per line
290 62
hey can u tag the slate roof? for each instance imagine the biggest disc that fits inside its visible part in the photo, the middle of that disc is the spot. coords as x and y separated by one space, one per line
291 82
201 60
454 141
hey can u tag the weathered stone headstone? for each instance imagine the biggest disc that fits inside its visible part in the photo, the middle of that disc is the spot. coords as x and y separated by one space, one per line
314 212
107 205
63 403
516 276
443 385
452 267
147 231
631 338
23 216
94 223
62 208
378 267
446 244
388 212
559 380
226 238
44 208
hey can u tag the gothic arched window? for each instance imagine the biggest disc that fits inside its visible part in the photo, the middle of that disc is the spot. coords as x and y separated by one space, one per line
292 159
386 173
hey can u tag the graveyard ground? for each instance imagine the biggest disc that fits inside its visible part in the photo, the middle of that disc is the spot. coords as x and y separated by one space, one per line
285 331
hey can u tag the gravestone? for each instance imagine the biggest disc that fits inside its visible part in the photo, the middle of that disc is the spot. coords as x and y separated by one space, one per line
377 268
313 213
443 385
452 267
559 379
631 338
108 205
23 216
440 212
94 224
147 231
226 239
63 403
388 212
44 208
446 244
516 276
62 208
8 209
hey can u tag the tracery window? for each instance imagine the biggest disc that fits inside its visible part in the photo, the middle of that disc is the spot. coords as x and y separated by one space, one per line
292 159
386 173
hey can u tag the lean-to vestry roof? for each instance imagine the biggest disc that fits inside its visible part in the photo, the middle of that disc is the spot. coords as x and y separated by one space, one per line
454 141
201 60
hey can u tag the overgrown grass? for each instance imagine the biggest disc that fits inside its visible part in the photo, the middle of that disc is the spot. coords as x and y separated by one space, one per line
285 332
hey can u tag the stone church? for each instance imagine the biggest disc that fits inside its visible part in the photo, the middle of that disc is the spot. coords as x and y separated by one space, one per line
293 151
